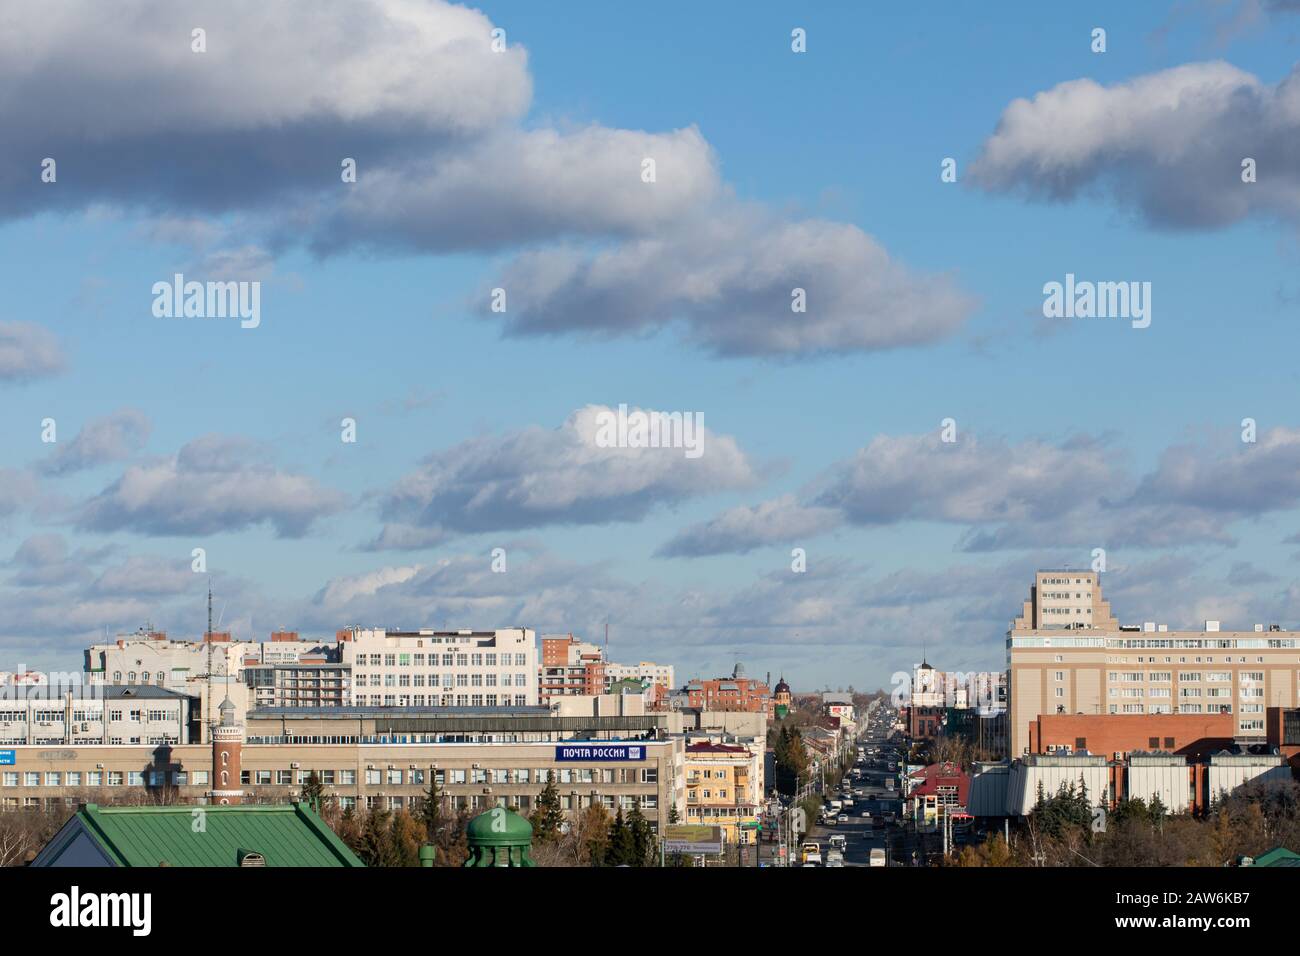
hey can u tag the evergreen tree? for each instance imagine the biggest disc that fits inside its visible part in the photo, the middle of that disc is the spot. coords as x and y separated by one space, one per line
548 817
430 812
621 850
376 840
643 839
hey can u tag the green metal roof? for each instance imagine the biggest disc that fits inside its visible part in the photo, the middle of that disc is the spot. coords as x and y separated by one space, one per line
1278 856
499 827
284 834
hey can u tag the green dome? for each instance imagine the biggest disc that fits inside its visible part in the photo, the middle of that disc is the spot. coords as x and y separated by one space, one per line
499 827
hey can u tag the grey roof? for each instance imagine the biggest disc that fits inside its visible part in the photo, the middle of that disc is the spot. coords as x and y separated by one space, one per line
55 692
149 691
352 713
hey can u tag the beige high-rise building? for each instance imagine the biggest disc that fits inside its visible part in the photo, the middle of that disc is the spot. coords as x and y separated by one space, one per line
1067 654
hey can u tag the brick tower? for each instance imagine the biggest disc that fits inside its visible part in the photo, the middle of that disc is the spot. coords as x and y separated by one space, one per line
227 746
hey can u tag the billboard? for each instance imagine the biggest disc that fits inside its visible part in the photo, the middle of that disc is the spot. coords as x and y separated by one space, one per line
7 758
690 838
599 751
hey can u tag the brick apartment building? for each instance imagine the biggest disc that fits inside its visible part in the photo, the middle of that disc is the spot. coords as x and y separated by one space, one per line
1068 654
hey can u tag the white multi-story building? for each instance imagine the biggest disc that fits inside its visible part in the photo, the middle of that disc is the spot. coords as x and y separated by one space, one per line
661 674
79 714
985 691
441 668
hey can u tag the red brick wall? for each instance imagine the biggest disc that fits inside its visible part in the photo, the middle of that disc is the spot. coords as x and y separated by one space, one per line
1105 734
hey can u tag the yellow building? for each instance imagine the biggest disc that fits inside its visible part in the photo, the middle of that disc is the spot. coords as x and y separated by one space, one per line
724 785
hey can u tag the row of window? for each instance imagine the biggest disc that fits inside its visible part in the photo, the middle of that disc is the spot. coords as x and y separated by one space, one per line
442 680
91 739
471 802
447 660
342 778
433 700
103 778
85 716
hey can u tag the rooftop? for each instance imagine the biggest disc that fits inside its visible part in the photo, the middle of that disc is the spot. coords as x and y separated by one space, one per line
282 835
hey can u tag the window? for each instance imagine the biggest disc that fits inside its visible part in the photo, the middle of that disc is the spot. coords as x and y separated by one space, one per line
373 778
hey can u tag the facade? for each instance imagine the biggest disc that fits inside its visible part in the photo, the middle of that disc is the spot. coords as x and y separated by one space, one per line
924 722
44 715
936 791
985 691
571 667
1066 654
441 668
1180 782
781 699
736 692
724 785
1118 735
661 675
303 683
470 775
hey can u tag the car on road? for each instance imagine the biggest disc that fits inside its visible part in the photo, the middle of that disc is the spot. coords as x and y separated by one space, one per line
877 857
839 840
810 850
834 858
866 814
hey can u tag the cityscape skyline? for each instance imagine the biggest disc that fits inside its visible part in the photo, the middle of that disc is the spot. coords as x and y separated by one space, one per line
823 431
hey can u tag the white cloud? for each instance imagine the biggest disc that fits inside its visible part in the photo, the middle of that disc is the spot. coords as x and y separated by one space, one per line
738 530
1169 144
27 352
728 278
110 438
213 484
538 477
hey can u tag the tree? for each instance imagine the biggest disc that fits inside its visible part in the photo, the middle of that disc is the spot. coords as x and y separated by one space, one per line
591 835
621 850
348 829
405 835
313 792
548 817
376 841
430 812
643 839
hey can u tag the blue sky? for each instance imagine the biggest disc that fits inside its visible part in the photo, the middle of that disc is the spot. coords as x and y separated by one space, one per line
479 169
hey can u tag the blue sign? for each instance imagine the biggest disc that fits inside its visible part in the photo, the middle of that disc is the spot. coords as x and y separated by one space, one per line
7 758
599 751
